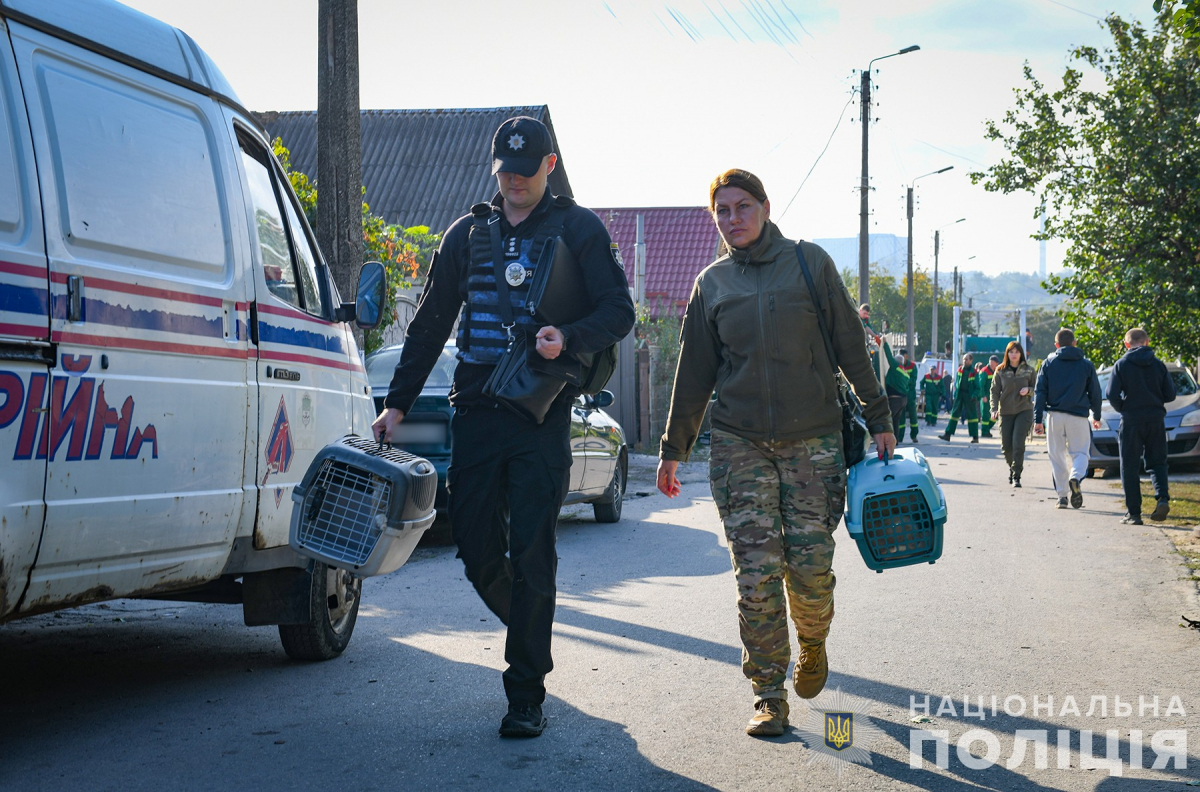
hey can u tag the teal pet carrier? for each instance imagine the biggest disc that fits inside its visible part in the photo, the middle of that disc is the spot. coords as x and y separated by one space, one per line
895 511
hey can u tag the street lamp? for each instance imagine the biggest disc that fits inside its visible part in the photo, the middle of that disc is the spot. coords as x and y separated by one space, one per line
912 349
864 242
937 243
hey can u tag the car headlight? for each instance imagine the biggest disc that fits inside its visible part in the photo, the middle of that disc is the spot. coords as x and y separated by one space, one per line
1191 419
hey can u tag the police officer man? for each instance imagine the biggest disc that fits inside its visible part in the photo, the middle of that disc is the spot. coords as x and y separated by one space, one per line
508 476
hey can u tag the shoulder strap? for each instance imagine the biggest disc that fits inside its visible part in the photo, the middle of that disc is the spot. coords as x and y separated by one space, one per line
816 298
505 305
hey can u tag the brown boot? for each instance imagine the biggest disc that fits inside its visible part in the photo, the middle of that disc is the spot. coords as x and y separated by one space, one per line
770 718
812 669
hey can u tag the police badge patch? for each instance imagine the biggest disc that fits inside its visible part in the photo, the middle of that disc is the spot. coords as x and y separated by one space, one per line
514 274
616 255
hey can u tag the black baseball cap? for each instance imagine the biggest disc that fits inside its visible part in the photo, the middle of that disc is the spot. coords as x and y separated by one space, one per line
520 145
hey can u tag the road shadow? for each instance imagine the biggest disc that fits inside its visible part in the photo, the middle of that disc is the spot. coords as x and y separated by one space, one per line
157 703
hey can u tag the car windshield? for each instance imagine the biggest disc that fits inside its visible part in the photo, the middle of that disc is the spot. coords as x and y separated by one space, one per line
381 365
1185 383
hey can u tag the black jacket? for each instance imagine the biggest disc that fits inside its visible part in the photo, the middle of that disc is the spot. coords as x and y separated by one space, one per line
1067 383
1140 386
446 290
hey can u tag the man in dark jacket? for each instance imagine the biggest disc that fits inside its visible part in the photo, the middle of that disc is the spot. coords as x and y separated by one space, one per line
1067 388
1139 389
508 475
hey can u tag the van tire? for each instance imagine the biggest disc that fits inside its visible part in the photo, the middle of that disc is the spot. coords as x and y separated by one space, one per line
334 597
608 508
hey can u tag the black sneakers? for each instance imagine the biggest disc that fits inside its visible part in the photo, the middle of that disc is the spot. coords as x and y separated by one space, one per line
1062 503
1076 493
523 720
1131 519
1161 510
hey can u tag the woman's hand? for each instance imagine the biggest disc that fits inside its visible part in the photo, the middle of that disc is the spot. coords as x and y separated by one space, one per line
885 444
667 483
1024 391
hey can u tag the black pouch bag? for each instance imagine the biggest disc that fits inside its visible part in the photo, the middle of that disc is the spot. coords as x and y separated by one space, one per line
854 427
556 297
523 381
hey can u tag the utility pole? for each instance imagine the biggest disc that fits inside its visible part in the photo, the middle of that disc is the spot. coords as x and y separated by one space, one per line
911 321
339 146
936 247
864 237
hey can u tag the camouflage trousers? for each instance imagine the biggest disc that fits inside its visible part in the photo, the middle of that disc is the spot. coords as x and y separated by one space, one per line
780 503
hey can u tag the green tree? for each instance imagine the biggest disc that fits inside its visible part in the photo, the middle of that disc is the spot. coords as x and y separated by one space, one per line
404 252
1118 171
1185 16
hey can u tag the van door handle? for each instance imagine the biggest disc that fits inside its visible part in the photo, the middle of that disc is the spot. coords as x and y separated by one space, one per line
75 298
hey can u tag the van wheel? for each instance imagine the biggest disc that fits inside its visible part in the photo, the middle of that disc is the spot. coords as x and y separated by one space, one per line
334 597
608 508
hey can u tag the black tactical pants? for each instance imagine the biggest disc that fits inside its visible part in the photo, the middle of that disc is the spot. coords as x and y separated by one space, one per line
507 481
1138 439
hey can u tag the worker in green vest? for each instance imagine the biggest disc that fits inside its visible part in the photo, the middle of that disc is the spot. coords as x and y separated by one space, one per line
896 381
966 401
931 390
984 382
909 368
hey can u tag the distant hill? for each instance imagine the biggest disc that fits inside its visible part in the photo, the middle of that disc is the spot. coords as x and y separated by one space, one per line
1007 290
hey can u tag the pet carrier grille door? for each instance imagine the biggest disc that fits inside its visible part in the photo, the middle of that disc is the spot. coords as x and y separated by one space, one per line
895 512
362 507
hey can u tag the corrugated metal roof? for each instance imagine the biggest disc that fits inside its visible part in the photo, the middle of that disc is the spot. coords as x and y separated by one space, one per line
680 241
420 167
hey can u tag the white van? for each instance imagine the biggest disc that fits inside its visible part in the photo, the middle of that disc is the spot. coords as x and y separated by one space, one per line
173 351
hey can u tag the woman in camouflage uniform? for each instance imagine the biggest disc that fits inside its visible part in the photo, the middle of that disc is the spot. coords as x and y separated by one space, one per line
776 469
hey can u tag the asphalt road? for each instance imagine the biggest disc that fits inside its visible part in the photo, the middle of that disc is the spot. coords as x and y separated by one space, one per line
648 692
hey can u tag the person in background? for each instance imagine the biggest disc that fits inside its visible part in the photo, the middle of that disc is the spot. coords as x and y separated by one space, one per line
966 401
1067 389
1139 390
1011 397
931 390
776 465
985 388
897 381
910 409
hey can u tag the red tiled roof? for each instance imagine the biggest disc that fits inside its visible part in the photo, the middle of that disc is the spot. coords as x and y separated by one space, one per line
680 241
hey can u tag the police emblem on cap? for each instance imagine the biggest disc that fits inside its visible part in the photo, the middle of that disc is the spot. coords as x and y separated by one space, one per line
516 142
616 255
514 274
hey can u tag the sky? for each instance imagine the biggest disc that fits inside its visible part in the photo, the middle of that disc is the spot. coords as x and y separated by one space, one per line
652 100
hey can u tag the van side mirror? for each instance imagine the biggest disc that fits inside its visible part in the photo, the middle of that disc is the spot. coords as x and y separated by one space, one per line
603 399
367 309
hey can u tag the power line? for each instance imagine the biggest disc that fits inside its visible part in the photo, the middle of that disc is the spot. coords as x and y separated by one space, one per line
814 165
1076 10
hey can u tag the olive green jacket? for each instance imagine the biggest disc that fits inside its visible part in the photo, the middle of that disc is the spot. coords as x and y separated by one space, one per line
751 333
1006 395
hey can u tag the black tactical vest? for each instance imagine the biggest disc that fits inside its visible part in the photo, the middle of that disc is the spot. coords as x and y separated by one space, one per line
482 337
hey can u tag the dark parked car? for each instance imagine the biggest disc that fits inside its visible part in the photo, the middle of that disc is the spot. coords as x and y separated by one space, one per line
599 455
1183 423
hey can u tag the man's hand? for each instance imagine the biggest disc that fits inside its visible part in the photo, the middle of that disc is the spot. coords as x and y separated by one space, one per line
1097 424
382 428
667 483
995 415
885 444
1024 391
1039 429
549 342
